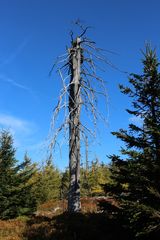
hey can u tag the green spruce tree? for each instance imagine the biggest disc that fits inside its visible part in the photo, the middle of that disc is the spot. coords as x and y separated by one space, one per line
27 198
8 176
136 175
65 184
47 183
15 190
51 181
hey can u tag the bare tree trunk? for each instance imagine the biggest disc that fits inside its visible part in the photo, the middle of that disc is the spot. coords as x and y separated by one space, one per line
74 204
82 85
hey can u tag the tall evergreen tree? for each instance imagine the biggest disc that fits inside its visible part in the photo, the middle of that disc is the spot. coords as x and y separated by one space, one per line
136 175
8 176
15 198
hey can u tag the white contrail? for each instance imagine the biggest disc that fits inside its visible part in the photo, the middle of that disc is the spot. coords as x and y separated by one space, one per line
14 83
15 53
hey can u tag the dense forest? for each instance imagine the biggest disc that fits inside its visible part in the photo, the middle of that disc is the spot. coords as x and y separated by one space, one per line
121 199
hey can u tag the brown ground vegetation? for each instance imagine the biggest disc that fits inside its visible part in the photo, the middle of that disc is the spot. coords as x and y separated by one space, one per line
52 222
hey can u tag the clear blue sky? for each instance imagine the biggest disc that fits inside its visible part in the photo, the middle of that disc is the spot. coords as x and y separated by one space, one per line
35 32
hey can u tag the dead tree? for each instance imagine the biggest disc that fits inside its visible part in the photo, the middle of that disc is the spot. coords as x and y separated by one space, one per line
81 87
74 126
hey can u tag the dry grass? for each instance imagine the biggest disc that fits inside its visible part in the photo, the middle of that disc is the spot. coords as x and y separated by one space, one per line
12 230
54 208
51 222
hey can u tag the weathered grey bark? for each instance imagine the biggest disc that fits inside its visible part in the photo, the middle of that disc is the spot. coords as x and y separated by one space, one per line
74 127
82 85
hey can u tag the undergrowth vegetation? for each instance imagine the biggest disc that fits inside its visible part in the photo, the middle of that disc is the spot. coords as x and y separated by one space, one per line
48 224
12 229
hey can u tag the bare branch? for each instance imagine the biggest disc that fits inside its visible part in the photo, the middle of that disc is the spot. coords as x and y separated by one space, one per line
91 85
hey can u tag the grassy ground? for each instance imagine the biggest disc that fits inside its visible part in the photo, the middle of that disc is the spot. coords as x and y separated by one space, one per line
12 229
48 224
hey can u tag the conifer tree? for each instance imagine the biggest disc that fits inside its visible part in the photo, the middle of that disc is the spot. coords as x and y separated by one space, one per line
15 190
97 177
27 200
8 176
47 183
65 184
136 175
51 181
